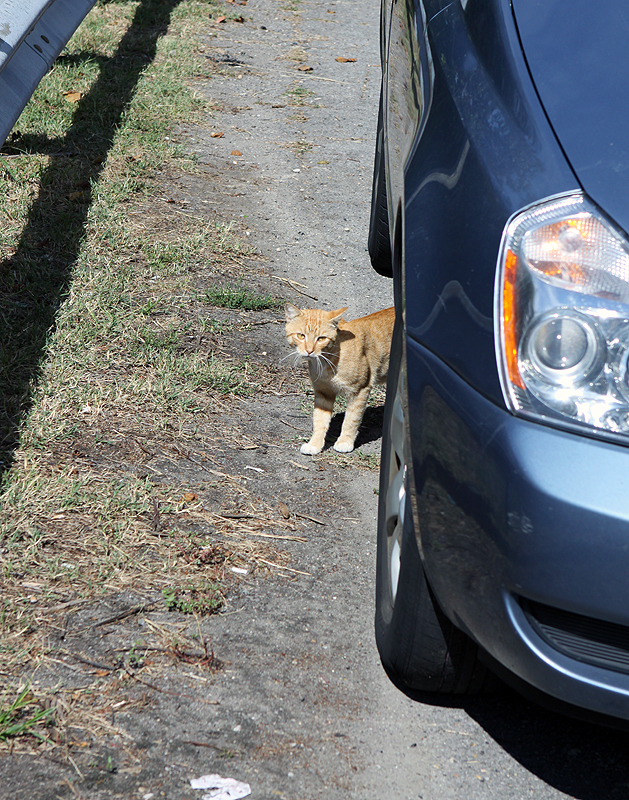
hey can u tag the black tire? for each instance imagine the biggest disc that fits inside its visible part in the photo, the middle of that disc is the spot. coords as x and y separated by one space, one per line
379 241
419 647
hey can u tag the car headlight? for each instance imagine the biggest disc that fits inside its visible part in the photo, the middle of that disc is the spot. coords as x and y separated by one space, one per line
562 308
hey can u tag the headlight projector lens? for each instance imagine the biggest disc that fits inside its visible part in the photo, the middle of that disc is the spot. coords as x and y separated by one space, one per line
562 348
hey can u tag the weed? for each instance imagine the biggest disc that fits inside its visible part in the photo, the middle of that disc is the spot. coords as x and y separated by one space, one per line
298 95
190 598
301 147
241 297
136 659
22 715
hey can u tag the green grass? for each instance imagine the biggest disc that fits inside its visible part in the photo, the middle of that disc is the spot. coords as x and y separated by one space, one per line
73 165
194 598
22 716
100 315
299 95
239 297
301 147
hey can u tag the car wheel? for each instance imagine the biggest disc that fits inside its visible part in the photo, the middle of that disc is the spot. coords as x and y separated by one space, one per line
379 243
419 647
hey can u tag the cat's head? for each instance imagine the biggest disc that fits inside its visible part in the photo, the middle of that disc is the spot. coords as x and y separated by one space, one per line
311 330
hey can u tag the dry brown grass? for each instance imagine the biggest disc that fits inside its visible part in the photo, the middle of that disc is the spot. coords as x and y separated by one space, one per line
116 400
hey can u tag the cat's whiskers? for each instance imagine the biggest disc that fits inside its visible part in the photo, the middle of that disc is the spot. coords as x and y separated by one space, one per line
315 364
324 357
292 355
296 358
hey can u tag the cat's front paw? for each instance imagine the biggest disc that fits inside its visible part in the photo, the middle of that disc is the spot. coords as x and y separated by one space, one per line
309 449
343 446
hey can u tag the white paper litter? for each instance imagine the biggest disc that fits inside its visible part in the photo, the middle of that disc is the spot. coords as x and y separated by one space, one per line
221 788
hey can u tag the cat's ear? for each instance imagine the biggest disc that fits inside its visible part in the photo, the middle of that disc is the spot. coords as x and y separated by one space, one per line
291 312
336 316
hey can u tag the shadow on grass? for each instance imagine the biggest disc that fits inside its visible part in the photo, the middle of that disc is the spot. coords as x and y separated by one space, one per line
36 278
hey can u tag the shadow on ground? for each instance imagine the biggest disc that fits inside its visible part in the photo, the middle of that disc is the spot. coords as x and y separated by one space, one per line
36 277
585 760
370 428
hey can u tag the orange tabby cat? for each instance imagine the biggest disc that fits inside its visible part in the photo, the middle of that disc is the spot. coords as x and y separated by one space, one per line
348 357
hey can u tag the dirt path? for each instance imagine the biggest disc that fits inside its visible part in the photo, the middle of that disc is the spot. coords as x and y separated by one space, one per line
284 690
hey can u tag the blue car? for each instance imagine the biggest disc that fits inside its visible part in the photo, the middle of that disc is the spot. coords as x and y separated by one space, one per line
501 210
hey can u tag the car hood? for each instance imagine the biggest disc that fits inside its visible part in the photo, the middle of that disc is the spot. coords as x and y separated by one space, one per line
578 58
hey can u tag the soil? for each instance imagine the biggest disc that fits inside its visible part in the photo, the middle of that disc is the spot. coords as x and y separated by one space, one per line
147 698
283 688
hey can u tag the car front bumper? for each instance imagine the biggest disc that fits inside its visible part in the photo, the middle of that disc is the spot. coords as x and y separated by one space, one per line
523 531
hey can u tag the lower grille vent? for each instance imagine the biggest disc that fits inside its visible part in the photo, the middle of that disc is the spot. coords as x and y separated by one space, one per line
602 644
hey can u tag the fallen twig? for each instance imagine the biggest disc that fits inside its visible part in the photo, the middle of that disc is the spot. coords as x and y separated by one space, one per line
89 663
279 566
251 532
295 286
223 750
123 615
283 421
305 516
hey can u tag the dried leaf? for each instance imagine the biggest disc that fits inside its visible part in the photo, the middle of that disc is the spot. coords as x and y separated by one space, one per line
217 134
344 60
72 97
190 497
236 153
304 68
284 510
220 19
239 19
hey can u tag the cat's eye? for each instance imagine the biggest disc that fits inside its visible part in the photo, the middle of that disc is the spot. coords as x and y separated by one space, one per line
300 335
322 338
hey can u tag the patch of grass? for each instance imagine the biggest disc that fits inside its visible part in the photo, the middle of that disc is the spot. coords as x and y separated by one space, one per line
301 146
357 458
191 598
22 716
298 95
109 365
370 461
116 383
242 298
